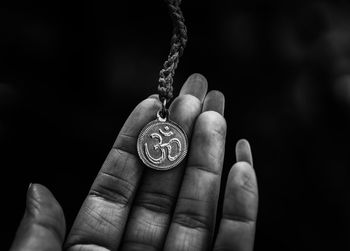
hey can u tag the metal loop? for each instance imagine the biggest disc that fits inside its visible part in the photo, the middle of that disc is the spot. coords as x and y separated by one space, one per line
163 113
162 117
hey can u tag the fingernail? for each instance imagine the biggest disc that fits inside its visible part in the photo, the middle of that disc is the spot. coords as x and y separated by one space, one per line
196 85
214 101
243 151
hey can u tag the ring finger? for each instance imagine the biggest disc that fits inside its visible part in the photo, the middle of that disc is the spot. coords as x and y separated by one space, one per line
194 216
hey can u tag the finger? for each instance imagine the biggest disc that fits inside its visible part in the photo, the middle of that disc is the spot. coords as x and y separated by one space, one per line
243 152
214 101
150 217
102 217
195 85
237 226
43 225
194 217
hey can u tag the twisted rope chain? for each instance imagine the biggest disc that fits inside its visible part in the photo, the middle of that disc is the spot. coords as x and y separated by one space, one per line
178 43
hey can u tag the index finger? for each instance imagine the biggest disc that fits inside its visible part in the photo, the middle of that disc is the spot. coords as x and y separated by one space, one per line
102 217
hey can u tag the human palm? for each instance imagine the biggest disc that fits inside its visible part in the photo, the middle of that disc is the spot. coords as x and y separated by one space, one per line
130 207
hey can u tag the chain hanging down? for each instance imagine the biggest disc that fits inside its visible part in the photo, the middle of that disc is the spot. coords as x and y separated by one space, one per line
178 43
162 144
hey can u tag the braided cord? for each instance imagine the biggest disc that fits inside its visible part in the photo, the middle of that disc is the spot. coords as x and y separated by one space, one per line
178 43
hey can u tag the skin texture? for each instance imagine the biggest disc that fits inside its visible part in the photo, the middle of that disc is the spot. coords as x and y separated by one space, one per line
132 207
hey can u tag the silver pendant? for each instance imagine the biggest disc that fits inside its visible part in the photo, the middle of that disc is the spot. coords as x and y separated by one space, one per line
162 144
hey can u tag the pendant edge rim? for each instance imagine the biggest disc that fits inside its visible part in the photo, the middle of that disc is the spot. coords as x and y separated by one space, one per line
141 134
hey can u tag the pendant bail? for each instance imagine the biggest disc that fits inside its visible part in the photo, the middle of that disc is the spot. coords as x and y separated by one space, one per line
163 114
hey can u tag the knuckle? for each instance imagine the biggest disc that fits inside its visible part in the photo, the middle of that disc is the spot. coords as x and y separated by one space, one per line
156 202
112 188
107 194
192 220
126 143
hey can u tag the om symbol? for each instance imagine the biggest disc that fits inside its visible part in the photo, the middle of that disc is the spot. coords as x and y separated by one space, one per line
166 149
162 145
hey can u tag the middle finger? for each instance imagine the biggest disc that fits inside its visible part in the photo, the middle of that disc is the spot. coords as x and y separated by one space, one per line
153 205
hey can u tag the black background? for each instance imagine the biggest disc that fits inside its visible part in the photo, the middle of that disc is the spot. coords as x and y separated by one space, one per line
71 72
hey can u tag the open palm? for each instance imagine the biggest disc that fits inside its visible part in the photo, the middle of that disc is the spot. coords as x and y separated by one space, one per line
131 207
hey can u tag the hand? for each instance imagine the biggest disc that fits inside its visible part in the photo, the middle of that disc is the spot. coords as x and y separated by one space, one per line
131 207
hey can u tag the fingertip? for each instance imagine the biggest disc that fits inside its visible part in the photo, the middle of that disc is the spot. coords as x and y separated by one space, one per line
43 206
214 101
35 195
43 224
39 195
196 85
243 151
152 100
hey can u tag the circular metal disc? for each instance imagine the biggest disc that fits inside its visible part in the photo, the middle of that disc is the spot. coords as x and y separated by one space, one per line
162 145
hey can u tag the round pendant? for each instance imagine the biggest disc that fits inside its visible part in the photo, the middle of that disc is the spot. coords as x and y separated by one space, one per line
162 144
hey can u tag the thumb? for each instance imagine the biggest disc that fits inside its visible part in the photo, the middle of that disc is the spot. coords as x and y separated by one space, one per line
43 224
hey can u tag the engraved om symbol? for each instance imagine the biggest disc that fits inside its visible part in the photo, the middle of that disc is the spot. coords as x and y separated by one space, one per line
163 147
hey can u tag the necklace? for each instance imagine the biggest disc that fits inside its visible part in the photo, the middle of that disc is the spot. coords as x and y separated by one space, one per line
162 144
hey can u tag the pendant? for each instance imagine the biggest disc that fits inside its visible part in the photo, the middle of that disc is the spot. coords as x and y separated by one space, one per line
162 144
